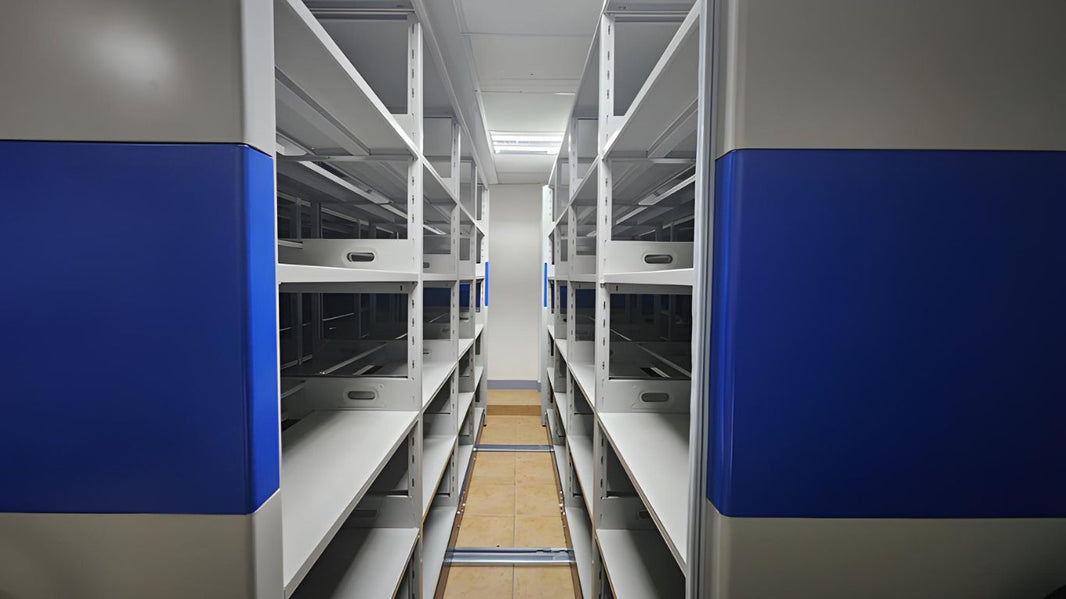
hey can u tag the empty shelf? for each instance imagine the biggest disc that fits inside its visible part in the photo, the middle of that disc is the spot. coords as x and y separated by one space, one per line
636 568
309 64
478 328
436 454
585 375
465 343
562 402
653 449
561 344
581 456
300 273
360 562
581 537
465 399
438 530
434 375
663 113
678 277
329 460
479 371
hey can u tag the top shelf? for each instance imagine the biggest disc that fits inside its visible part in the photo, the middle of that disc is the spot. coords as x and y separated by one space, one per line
663 114
323 101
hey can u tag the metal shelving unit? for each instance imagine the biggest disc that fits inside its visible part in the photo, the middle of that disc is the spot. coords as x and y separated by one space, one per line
618 226
382 217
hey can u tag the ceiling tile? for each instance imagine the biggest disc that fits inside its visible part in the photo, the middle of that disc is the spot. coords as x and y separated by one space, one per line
526 111
529 58
536 17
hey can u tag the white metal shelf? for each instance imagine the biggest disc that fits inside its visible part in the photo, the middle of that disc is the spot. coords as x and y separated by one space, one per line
653 450
562 400
465 343
360 562
437 531
581 456
344 112
434 375
585 375
581 537
436 454
465 399
329 459
635 569
675 277
663 113
301 273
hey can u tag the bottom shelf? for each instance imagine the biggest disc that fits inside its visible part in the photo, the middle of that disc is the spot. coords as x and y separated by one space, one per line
360 562
438 530
638 564
581 536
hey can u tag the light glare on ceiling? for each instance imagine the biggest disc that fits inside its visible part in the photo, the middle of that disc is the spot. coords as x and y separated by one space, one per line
525 143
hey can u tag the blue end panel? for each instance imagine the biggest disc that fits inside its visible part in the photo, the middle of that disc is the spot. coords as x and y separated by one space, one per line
140 361
486 282
889 334
544 288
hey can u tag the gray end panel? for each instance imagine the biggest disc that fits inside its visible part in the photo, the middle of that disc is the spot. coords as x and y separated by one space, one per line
905 74
138 70
816 558
132 556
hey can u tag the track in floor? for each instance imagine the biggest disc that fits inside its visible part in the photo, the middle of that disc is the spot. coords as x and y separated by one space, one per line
511 508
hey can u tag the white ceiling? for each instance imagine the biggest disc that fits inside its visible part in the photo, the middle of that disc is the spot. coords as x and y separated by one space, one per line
527 57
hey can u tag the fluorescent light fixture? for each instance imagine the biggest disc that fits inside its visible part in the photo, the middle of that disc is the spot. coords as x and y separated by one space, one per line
526 143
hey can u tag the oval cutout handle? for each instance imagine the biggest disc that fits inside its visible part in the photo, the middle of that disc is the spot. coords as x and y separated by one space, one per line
425 265
649 397
658 259
362 395
361 256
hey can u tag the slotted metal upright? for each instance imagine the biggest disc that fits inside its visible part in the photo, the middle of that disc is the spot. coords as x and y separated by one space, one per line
619 216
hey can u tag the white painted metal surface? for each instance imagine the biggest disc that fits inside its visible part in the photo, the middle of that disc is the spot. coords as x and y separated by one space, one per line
328 461
361 562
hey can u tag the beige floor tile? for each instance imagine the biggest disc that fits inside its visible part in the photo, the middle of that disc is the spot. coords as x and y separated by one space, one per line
536 498
475 582
491 500
494 468
534 467
531 435
538 531
514 397
498 430
547 582
486 531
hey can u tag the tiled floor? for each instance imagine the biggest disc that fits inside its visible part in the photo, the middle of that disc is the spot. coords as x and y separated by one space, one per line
512 501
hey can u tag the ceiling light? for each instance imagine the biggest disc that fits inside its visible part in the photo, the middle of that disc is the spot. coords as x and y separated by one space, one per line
526 143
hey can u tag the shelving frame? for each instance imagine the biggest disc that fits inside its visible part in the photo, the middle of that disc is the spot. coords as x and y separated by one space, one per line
378 200
618 224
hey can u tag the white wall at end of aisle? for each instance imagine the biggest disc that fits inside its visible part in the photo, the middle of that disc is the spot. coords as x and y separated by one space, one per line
515 274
